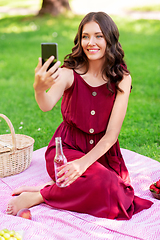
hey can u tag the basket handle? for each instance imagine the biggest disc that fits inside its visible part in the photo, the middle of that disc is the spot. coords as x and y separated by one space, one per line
12 131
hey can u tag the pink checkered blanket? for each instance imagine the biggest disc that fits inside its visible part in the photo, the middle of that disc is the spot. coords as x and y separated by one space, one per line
48 223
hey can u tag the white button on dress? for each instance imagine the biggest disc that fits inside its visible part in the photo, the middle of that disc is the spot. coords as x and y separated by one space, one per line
91 130
91 141
93 112
94 94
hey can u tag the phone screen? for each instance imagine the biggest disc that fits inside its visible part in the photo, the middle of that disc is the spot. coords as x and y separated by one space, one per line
49 49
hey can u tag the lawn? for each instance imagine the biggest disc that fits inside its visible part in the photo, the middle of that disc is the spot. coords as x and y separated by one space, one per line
20 39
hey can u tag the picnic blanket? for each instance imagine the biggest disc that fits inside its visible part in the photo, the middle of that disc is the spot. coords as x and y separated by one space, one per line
48 223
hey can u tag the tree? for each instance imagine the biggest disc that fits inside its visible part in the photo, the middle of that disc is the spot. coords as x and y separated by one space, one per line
54 7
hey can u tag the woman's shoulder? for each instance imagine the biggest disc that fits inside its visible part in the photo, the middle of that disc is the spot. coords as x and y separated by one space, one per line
126 83
127 78
68 76
66 71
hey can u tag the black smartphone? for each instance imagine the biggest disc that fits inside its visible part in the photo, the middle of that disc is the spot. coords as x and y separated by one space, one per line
49 49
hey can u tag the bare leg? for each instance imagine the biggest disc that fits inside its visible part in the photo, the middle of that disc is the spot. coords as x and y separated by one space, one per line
24 200
30 188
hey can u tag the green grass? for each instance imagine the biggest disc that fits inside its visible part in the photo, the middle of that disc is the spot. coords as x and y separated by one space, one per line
20 4
147 8
20 39
141 128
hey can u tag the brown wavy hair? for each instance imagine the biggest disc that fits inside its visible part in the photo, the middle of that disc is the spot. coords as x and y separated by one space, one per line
114 66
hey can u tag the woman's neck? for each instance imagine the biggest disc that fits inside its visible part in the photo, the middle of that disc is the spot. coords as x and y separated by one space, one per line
95 70
94 74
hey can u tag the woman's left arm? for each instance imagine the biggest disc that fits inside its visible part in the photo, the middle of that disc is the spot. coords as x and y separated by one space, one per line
77 167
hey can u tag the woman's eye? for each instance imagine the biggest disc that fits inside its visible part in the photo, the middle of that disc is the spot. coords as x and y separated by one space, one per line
84 37
99 36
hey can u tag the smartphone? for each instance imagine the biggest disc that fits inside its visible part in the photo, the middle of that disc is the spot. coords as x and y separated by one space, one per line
49 49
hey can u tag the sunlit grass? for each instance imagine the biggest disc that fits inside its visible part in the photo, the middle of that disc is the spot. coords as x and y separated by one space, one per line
32 4
20 39
147 8
13 28
10 8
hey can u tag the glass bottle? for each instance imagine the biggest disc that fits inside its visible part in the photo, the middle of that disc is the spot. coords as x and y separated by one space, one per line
59 158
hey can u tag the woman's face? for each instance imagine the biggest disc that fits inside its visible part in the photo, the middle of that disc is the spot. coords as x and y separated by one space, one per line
93 41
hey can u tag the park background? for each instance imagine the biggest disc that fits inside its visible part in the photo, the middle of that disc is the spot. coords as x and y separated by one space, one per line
21 33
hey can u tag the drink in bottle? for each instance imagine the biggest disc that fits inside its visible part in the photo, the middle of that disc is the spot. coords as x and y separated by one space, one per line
59 158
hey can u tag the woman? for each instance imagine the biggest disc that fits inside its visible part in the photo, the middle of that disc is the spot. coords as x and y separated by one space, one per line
95 85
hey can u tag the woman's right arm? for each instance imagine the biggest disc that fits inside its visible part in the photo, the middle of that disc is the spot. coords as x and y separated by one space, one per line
57 80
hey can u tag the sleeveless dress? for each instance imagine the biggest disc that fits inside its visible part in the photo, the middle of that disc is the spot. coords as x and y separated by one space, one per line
104 189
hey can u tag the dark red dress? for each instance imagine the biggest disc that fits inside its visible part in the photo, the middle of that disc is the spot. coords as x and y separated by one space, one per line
104 189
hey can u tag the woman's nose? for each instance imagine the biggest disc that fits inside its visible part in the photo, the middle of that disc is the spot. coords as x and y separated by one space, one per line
91 41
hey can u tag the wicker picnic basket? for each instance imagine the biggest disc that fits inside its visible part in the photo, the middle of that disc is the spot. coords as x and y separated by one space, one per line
15 151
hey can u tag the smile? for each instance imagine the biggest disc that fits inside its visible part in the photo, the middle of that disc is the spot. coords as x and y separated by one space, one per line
93 50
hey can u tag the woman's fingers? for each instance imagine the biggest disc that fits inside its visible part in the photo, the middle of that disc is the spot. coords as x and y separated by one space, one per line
45 79
66 181
53 68
67 174
47 63
42 70
39 65
54 75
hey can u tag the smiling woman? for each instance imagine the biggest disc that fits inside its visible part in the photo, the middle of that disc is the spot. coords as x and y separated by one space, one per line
93 41
95 85
93 30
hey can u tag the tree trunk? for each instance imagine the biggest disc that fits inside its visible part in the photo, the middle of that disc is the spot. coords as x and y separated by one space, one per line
54 7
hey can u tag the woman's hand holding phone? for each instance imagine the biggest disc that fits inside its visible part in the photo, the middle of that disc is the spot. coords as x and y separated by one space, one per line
44 78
